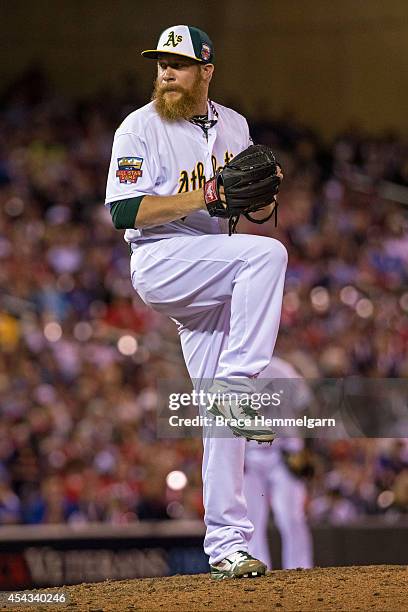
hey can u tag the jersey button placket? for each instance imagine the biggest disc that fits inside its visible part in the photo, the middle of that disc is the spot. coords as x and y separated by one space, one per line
209 170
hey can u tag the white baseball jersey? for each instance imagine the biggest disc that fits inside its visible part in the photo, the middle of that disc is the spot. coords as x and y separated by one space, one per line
151 156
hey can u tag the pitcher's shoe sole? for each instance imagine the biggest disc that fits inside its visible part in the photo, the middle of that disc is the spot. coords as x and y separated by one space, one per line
250 434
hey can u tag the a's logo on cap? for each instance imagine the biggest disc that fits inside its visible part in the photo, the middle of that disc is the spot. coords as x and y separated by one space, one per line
173 40
205 52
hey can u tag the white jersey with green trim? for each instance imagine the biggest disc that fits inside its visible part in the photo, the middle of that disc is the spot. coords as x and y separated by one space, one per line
151 156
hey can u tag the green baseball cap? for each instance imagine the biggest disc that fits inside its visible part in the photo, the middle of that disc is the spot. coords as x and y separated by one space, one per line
186 41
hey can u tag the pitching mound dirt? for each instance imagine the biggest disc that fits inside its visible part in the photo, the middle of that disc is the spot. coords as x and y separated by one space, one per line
383 588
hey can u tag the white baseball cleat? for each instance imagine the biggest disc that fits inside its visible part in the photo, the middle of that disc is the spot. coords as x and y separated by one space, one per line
238 414
239 564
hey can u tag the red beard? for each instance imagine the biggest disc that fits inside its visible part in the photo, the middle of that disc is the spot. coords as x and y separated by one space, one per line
184 107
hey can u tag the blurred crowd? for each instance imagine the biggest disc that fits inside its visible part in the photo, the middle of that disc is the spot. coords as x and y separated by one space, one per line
80 355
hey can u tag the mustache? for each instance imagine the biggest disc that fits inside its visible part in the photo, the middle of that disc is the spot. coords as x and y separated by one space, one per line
165 88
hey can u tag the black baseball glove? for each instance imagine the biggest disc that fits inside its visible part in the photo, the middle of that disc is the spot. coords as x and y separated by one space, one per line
301 463
250 182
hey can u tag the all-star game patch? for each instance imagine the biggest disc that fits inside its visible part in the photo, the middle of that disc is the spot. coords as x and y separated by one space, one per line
129 169
205 52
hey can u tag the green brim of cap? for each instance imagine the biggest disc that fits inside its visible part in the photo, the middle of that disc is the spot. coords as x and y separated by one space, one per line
154 54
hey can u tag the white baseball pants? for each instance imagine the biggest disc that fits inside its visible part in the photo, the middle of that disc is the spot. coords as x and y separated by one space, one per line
270 485
225 293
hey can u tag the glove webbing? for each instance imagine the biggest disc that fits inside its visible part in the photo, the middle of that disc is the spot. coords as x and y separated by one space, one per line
233 220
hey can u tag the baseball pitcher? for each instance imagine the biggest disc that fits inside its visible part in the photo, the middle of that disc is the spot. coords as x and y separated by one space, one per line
183 170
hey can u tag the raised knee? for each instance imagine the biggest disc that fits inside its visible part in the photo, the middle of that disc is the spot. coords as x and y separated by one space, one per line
274 250
279 252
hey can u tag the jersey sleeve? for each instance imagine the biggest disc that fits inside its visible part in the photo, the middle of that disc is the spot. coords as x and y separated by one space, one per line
132 172
248 137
